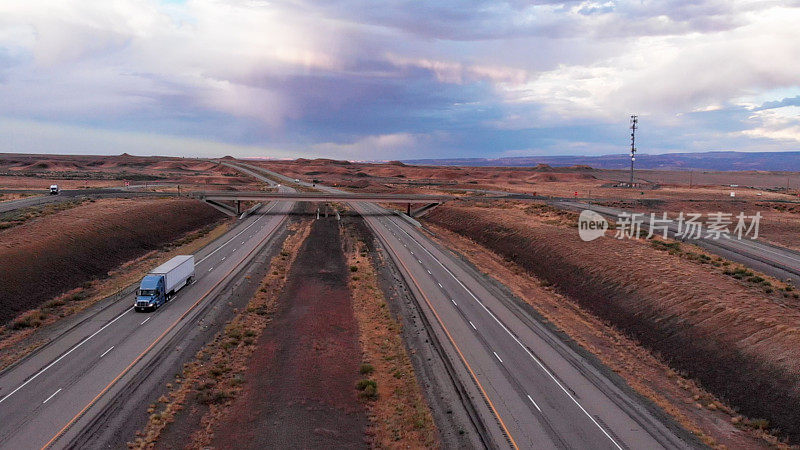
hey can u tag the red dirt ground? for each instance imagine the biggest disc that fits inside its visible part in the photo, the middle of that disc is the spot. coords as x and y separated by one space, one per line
300 385
543 180
80 171
56 253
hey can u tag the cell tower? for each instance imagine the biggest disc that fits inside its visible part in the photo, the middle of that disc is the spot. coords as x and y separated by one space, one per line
634 123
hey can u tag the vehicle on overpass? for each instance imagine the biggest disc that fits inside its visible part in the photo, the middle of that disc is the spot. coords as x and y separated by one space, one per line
163 282
54 190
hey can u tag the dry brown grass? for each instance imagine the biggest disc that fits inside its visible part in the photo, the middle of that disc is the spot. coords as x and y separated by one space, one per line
10 196
662 289
400 416
16 343
216 375
23 215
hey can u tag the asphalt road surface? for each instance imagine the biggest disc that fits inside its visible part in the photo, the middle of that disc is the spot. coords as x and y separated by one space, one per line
27 202
70 194
49 397
529 388
780 262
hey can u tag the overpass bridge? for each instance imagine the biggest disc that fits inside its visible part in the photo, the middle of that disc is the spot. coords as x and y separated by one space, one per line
216 197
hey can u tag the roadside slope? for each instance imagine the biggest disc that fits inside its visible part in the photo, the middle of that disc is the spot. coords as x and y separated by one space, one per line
732 338
55 253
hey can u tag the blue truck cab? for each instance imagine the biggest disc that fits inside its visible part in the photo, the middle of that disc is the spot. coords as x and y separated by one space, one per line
150 294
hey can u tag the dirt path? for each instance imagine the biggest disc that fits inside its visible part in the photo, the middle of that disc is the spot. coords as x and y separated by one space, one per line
301 391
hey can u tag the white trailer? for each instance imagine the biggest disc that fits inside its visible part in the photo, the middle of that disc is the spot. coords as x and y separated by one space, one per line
177 273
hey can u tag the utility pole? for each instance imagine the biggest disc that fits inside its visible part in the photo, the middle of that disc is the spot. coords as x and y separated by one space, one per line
634 122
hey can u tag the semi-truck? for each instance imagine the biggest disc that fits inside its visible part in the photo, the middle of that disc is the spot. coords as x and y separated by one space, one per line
161 283
54 190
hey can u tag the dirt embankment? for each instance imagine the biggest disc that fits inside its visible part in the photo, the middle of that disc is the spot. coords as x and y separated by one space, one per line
399 415
53 254
303 373
742 345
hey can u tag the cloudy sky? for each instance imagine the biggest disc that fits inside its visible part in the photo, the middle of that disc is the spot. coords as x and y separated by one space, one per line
364 79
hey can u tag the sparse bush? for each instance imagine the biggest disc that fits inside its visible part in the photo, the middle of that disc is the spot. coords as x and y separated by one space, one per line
366 369
353 268
362 384
368 388
55 303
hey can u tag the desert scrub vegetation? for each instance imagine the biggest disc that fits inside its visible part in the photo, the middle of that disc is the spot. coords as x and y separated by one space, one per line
748 277
216 375
20 216
18 337
399 415
731 339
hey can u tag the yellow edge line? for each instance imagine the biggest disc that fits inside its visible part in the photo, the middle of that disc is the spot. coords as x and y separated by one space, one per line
150 347
452 341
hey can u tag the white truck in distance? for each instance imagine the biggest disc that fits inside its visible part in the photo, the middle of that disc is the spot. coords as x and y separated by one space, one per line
54 190
161 283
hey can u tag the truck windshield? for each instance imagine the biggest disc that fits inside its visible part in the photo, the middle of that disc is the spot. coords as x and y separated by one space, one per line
147 292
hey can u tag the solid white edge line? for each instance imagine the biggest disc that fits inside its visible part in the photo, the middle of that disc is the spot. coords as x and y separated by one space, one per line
545 369
106 352
498 357
473 327
115 319
63 356
54 394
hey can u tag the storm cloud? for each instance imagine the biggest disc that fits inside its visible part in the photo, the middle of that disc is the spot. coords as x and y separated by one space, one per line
360 79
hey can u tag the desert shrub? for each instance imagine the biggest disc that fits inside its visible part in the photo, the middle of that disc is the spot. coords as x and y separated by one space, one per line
366 369
369 393
19 324
368 388
353 268
213 397
55 303
362 384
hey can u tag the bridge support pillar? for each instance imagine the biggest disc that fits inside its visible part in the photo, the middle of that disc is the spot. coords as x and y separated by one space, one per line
238 206
408 209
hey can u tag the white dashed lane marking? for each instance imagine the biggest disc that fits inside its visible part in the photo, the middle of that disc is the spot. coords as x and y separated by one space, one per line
534 403
54 394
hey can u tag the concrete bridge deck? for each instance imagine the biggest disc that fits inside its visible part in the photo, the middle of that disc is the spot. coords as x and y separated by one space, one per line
319 197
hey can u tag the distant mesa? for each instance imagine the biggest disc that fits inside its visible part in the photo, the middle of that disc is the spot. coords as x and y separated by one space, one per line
228 157
716 161
333 161
397 163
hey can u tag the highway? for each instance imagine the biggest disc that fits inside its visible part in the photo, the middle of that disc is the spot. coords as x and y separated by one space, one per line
48 398
529 389
38 200
74 194
780 262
